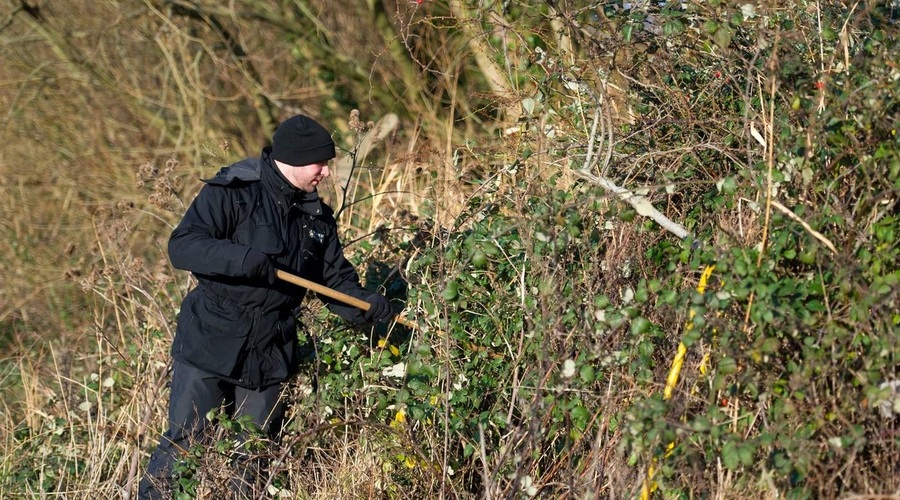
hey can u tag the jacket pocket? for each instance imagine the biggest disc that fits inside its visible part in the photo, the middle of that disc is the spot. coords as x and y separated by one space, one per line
274 365
279 359
211 336
260 234
267 240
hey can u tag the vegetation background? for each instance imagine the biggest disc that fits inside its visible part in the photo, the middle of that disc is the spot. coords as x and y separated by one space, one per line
652 247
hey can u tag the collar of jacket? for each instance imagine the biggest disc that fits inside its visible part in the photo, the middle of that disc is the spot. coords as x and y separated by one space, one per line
286 195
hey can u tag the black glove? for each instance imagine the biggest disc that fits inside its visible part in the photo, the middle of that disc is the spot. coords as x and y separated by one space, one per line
259 266
379 309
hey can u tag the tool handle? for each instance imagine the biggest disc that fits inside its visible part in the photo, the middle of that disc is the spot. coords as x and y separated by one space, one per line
334 294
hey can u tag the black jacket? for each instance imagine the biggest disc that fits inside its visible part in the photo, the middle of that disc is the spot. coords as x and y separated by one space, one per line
234 326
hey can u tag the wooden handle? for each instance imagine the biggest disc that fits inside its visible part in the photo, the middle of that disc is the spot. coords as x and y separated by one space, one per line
334 294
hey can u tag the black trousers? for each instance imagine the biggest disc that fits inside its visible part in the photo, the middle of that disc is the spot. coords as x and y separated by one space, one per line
194 393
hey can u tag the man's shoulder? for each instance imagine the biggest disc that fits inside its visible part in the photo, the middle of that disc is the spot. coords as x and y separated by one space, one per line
246 171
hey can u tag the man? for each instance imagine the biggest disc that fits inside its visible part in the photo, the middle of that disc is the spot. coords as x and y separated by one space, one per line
236 339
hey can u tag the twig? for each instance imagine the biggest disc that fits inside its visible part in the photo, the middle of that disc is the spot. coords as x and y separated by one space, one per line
588 159
815 234
385 126
142 425
768 145
346 165
9 17
484 463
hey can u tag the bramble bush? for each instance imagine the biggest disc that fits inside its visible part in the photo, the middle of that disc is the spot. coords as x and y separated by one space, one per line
554 314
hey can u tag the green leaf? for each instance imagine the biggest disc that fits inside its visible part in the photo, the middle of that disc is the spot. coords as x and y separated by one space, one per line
627 30
770 345
691 336
451 292
701 424
727 366
745 453
730 457
479 258
723 37
528 105
587 373
580 415
640 325
673 27
727 185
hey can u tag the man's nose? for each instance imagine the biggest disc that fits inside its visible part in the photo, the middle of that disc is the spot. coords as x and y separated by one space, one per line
326 171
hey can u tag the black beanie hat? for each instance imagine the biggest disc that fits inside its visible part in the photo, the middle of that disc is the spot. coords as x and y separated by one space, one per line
300 140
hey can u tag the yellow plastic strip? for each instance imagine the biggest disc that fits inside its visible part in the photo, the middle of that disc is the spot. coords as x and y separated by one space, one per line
649 485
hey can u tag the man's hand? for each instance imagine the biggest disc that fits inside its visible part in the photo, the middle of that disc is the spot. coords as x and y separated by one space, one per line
259 266
379 309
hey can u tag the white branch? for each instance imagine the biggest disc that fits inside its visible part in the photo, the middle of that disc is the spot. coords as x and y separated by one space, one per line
640 203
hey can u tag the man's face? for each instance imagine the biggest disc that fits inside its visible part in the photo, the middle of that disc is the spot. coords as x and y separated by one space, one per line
306 177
